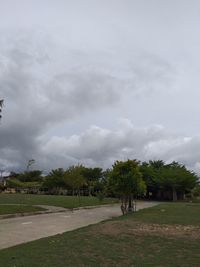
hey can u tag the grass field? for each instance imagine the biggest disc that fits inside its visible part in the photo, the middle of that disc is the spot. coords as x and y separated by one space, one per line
167 235
13 209
52 200
170 213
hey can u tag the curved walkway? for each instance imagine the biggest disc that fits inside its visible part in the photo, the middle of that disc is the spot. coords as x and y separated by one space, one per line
19 230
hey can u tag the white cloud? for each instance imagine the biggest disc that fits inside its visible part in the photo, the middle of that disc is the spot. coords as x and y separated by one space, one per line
98 146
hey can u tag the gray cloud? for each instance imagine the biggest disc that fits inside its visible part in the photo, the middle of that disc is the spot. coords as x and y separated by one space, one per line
40 95
65 66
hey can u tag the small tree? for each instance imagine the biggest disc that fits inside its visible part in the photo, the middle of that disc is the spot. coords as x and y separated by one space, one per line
126 181
196 191
74 179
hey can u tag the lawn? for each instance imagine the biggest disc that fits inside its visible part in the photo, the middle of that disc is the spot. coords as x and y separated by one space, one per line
170 213
164 236
13 209
52 200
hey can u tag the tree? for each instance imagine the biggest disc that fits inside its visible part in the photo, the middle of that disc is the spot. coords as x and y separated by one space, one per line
92 177
156 164
31 176
29 186
54 181
167 181
74 179
30 162
29 181
196 191
126 181
177 179
1 105
149 172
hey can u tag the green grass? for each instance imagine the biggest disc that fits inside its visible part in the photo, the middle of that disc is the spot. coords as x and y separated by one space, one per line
112 243
171 213
13 209
52 200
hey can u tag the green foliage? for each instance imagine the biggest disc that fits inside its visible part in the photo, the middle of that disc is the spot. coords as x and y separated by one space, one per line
196 191
30 176
177 176
126 181
156 164
15 183
73 178
2 187
55 179
149 174
93 178
155 179
126 178
92 174
100 195
25 180
168 181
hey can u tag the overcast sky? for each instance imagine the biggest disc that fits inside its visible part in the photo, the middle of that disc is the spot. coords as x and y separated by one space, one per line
98 80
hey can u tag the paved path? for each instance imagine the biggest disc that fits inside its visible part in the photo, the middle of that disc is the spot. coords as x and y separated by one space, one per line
24 229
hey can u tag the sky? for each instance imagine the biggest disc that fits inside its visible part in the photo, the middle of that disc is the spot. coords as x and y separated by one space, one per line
94 81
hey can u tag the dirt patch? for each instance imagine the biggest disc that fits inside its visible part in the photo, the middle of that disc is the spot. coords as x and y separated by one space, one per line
139 228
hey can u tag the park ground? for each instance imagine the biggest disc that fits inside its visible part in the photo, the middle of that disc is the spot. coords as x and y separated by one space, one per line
25 203
165 235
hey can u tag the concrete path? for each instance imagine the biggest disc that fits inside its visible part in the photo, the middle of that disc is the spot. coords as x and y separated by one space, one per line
19 230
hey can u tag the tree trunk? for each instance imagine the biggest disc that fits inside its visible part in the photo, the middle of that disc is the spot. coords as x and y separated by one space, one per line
174 194
90 191
130 203
79 197
122 206
124 202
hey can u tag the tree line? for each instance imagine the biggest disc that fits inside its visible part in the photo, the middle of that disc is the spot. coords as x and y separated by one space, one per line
127 180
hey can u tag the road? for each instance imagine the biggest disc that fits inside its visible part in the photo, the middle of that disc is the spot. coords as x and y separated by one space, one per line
20 230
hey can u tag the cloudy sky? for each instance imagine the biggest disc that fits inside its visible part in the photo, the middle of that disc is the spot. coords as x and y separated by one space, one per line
98 80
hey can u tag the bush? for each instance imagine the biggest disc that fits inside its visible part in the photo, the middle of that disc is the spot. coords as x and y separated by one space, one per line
100 196
196 192
2 187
